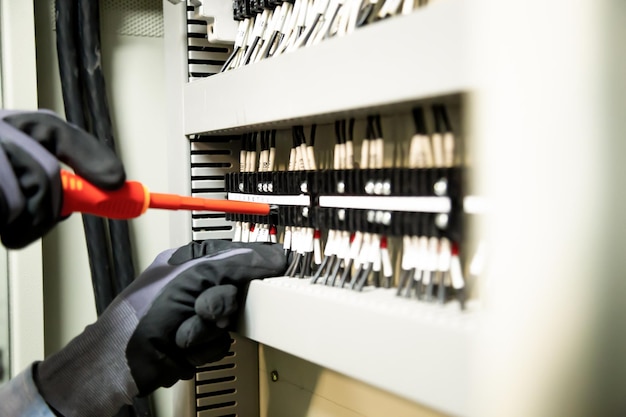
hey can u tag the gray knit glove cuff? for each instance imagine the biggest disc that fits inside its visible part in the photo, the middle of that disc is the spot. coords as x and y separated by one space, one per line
90 376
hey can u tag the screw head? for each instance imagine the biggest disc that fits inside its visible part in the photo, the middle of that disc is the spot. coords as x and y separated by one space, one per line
305 211
441 220
441 187
369 187
386 188
241 187
270 187
304 187
341 187
386 218
378 188
274 376
341 214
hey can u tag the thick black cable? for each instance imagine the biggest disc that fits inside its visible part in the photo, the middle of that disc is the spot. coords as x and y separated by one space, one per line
95 227
101 127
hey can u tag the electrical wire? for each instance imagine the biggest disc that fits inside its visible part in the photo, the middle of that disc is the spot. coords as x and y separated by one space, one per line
88 24
94 227
96 98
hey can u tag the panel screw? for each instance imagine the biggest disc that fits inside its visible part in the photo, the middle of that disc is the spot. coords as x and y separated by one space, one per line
274 375
441 187
378 188
441 220
386 188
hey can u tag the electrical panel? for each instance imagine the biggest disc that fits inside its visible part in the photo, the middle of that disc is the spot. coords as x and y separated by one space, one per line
367 170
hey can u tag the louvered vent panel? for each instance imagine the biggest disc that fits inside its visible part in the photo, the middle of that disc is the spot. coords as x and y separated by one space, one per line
211 159
229 388
204 58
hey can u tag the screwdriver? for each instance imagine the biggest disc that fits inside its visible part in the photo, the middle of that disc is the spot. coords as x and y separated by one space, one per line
133 199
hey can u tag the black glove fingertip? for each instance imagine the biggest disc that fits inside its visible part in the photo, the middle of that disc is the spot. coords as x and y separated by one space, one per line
217 302
202 342
210 352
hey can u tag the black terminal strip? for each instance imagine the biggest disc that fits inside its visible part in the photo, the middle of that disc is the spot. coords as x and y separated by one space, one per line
376 183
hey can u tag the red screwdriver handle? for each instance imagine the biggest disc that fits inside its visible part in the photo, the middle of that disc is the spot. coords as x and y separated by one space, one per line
128 202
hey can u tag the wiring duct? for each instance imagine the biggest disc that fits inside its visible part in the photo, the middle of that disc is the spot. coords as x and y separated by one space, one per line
83 87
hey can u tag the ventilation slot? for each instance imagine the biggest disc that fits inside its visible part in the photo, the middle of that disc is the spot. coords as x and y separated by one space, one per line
211 159
203 58
216 387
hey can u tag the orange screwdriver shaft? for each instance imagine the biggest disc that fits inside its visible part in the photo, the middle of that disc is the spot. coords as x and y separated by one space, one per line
133 199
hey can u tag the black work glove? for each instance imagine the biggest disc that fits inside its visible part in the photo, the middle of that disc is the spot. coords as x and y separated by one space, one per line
172 318
31 194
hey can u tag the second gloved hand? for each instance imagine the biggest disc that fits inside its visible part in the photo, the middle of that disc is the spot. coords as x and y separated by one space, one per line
172 318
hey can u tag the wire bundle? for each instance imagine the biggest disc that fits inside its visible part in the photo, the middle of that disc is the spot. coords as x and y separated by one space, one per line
416 250
85 101
270 27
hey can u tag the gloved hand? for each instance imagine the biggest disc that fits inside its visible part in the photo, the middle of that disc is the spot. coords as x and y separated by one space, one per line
30 191
172 318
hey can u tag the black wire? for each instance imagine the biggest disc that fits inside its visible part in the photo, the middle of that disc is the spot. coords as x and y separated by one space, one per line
263 141
351 129
268 135
298 132
230 59
343 131
95 94
250 50
378 130
313 128
418 119
66 24
437 117
244 142
369 131
445 119
273 141
321 269
293 137
272 42
311 28
347 273
94 227
253 141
